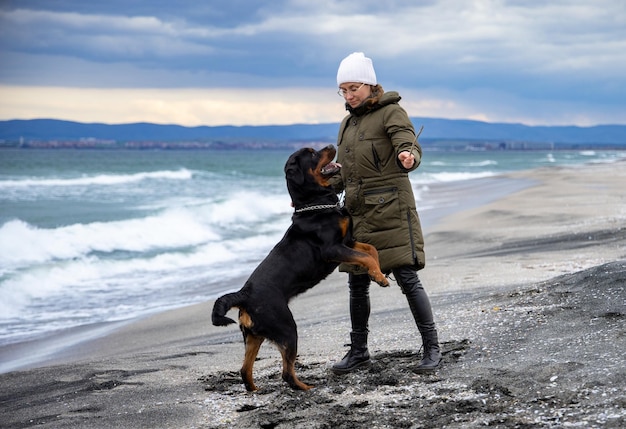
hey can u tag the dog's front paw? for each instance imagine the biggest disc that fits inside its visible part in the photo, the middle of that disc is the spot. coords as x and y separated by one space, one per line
381 280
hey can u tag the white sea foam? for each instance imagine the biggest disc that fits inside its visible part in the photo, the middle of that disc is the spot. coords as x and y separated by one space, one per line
99 180
22 244
481 163
44 270
85 278
445 176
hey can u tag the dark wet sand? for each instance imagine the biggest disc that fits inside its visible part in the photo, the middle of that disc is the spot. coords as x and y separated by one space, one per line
528 293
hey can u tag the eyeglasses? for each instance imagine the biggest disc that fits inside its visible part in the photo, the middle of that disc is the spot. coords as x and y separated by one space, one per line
352 90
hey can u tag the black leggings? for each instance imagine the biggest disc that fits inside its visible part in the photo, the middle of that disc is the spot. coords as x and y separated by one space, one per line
412 288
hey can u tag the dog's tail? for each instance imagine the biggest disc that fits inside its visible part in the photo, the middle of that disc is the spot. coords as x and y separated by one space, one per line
221 307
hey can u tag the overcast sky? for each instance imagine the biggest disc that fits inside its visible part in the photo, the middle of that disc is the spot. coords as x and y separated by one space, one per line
246 62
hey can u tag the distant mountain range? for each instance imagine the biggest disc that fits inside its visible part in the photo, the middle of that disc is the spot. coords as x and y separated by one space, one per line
434 130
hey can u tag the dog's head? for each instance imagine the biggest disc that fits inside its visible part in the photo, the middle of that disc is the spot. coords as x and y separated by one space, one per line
308 169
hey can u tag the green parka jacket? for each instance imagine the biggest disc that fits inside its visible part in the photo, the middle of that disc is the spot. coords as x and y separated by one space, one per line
378 193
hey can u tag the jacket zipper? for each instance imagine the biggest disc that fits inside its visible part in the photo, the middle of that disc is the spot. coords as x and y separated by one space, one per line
413 252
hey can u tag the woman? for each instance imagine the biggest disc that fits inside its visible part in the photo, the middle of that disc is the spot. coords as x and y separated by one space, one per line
377 148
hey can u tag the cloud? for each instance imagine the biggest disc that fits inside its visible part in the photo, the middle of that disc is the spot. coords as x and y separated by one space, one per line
557 53
101 38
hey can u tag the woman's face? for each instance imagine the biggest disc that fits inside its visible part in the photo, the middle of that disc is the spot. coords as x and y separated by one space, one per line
355 92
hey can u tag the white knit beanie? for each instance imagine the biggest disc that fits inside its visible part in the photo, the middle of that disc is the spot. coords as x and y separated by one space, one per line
356 67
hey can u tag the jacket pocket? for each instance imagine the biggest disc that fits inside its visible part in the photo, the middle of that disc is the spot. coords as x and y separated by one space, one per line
382 206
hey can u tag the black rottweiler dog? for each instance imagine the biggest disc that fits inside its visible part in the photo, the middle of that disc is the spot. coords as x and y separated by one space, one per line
319 238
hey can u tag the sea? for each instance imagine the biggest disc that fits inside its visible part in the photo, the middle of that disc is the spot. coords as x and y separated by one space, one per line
96 236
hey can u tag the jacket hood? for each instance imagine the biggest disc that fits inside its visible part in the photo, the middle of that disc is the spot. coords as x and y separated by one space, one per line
374 103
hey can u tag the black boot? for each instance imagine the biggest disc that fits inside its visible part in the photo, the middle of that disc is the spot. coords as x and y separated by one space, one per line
358 356
422 313
432 354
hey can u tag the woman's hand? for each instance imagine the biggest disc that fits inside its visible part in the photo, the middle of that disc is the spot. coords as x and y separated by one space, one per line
407 159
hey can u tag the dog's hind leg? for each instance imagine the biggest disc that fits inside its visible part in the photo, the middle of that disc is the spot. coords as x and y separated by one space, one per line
289 353
285 337
253 344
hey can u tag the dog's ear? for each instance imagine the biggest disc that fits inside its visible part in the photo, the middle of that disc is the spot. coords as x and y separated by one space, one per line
293 171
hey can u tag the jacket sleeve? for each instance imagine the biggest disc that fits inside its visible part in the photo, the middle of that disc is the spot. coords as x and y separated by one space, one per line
402 134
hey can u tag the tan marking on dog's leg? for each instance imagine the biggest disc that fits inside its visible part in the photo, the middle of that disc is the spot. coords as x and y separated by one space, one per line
289 369
253 344
366 248
344 224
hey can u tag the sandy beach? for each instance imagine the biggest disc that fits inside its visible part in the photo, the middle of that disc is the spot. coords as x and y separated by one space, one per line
528 293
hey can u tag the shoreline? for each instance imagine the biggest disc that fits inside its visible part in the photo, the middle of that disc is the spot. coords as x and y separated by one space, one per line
74 344
521 287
